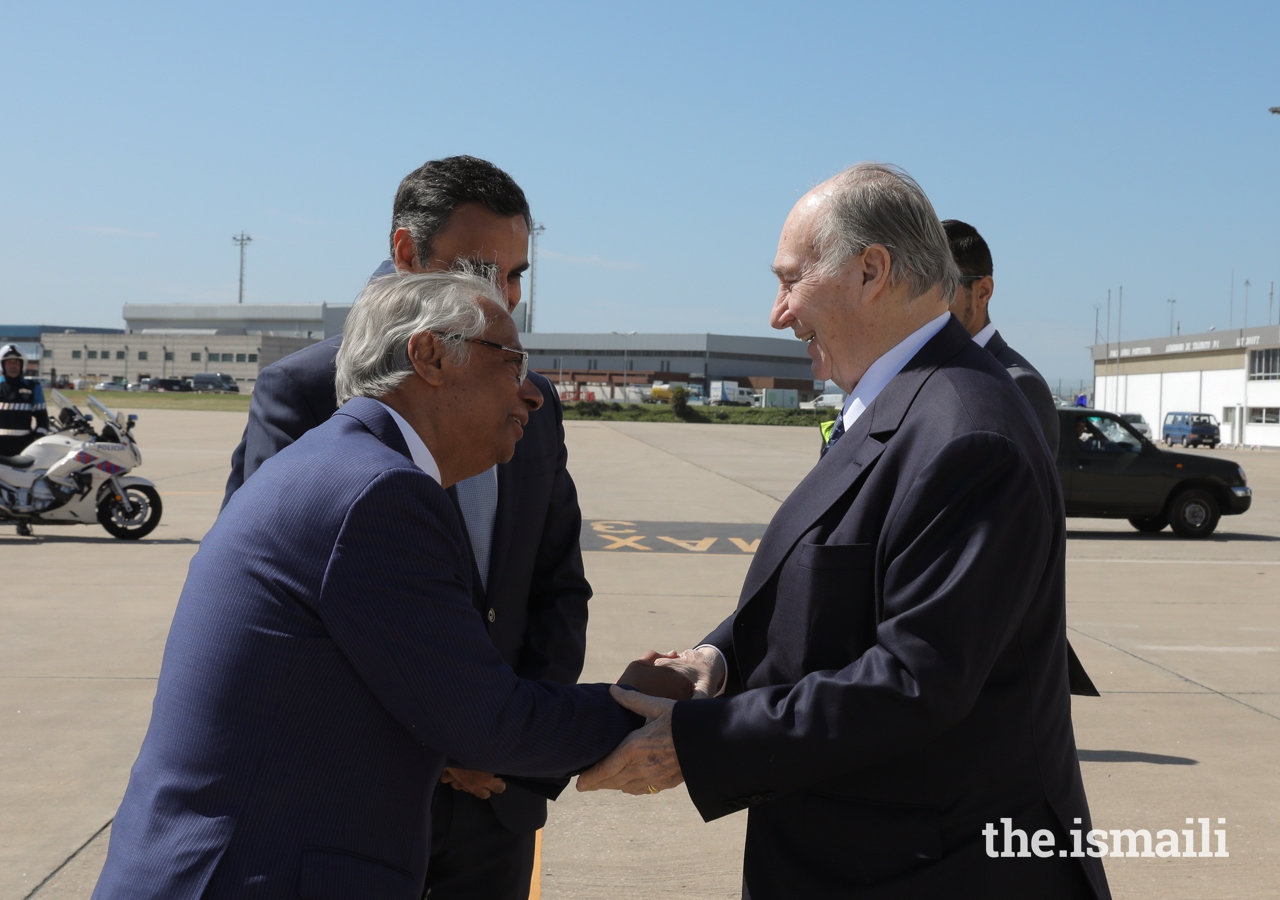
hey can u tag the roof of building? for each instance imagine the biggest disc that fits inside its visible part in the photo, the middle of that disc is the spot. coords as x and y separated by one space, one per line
1234 339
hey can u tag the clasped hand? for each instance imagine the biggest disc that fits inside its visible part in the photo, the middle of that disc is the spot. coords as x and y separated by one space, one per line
645 762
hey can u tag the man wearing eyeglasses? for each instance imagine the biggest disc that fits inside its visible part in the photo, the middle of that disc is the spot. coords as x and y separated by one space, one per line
522 517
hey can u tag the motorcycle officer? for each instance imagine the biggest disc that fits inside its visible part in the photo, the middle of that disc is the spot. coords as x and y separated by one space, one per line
21 400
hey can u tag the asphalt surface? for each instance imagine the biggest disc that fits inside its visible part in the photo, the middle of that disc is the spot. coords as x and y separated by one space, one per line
1182 638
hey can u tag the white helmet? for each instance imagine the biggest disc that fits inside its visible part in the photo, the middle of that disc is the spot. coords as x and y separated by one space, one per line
11 351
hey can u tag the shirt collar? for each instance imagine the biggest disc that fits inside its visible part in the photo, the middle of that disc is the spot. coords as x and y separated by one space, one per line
882 371
983 336
422 457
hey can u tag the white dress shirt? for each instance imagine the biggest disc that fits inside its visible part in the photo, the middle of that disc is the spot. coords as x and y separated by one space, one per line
984 335
882 371
422 457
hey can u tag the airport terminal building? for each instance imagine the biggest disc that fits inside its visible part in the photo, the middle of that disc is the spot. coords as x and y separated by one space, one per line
1234 375
179 340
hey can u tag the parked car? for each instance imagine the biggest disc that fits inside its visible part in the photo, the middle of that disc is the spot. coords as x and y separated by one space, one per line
215 382
1110 471
829 401
169 384
1191 430
110 386
1139 424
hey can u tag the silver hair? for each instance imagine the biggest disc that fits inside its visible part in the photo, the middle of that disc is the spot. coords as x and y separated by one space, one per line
878 203
374 357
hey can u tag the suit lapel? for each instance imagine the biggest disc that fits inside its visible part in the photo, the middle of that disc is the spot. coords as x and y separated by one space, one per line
850 459
504 519
478 599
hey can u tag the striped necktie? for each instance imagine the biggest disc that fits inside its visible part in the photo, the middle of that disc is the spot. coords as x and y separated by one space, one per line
836 434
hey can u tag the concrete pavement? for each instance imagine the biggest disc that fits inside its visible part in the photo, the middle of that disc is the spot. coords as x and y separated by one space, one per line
1181 637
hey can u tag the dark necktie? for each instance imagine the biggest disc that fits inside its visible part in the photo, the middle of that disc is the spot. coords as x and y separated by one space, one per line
836 434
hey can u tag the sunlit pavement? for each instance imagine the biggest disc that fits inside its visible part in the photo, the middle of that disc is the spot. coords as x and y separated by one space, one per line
1181 637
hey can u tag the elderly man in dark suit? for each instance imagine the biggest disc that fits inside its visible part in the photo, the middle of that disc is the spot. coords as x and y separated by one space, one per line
893 685
326 656
522 516
970 305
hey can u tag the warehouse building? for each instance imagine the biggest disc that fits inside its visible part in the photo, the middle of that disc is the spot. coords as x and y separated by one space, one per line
1233 375
698 358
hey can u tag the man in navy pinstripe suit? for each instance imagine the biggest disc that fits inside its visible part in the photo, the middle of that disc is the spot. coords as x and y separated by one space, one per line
326 656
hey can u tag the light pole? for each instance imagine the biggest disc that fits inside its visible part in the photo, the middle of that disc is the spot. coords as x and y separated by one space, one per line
243 240
164 361
126 365
206 359
1173 304
537 229
1246 305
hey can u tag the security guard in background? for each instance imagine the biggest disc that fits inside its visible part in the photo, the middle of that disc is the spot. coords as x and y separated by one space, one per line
21 399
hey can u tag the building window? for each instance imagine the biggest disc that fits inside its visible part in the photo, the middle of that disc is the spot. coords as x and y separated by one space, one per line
239 357
591 365
1264 365
119 354
228 357
253 357
48 354
195 357
75 354
664 365
93 354
168 356
1264 415
142 356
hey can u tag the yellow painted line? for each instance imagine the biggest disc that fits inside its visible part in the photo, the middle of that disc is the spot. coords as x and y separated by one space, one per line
535 884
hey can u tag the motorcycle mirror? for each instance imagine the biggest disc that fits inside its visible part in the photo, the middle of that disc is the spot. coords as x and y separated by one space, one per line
88 417
133 417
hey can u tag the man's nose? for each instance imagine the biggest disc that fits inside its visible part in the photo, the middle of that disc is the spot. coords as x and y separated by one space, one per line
781 316
530 394
511 294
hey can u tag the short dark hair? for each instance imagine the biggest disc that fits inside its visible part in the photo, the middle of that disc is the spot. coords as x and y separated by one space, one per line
970 251
429 194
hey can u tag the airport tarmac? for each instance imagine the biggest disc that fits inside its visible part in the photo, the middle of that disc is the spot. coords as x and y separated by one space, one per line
1182 638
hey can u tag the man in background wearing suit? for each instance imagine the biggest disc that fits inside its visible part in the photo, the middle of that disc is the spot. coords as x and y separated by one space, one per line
973 295
522 517
326 656
893 683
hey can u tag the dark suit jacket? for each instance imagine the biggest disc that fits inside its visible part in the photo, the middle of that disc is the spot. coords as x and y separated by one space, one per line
1032 385
897 661
1036 390
324 660
536 603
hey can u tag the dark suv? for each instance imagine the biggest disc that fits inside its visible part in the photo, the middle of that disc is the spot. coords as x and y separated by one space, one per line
1110 471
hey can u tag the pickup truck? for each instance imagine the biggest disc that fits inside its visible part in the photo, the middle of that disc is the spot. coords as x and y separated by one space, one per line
1109 470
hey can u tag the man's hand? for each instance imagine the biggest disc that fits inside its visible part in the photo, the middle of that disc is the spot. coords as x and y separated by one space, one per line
645 762
647 678
479 784
686 675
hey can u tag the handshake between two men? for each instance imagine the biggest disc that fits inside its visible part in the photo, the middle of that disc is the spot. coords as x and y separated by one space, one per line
645 762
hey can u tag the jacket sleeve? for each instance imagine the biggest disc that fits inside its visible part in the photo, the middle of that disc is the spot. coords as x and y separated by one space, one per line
1037 392
952 602
278 416
39 408
397 601
555 643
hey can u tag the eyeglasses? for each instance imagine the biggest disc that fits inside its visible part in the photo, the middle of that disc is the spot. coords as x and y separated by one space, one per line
523 354
967 280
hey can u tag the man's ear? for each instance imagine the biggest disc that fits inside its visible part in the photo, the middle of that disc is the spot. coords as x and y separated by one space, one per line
427 357
405 252
983 288
875 264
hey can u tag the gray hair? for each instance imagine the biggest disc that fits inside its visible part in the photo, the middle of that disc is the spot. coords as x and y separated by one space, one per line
374 357
878 203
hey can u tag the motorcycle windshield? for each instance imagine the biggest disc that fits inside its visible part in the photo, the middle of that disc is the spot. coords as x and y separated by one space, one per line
107 415
60 401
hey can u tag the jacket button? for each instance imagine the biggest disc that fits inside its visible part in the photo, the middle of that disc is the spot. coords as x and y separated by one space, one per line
733 805
492 614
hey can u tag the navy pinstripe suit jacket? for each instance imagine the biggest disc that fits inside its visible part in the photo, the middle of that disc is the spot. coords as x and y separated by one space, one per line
324 659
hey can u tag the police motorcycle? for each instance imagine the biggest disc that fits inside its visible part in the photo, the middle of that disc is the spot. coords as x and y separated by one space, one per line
75 476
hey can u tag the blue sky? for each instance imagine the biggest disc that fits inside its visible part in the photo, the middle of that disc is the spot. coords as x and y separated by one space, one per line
1094 145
